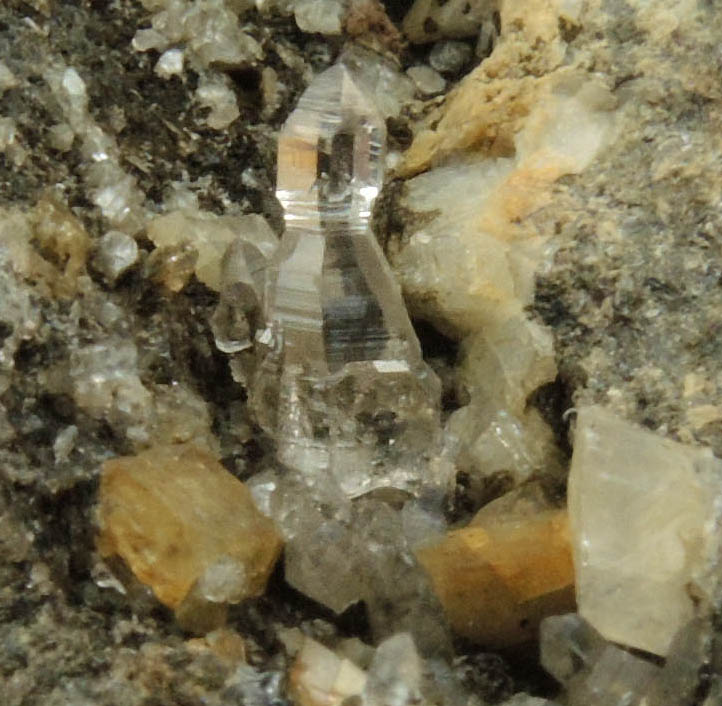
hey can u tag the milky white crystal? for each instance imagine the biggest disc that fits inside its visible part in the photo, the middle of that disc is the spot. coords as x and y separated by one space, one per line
643 513
321 678
322 16
395 674
426 80
117 251
61 137
8 133
523 699
170 63
218 96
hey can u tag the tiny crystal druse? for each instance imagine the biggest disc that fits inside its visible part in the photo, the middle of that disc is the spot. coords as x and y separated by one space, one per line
339 379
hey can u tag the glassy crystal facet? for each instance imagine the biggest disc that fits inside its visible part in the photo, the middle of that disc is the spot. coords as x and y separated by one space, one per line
340 382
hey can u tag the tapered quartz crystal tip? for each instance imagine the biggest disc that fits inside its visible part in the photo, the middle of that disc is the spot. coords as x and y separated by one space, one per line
339 382
331 155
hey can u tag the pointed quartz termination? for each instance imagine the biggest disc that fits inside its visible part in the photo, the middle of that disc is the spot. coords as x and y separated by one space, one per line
340 382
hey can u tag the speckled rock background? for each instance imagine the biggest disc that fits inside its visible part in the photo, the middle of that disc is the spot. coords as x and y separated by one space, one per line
633 297
64 640
634 293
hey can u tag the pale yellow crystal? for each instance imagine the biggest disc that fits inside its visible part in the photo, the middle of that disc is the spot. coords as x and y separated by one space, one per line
181 521
642 516
172 266
61 244
497 579
209 235
226 644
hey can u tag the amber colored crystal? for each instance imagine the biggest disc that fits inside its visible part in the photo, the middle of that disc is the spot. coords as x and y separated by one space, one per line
180 521
497 581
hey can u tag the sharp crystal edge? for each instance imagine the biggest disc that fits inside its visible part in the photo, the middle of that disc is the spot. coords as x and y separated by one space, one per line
339 382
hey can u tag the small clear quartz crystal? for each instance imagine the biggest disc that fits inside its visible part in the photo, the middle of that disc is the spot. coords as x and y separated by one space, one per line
339 379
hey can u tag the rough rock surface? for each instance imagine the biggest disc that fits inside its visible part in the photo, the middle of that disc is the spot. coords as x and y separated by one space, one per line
632 296
100 358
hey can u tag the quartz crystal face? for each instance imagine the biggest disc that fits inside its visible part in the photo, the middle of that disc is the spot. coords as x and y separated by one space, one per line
339 381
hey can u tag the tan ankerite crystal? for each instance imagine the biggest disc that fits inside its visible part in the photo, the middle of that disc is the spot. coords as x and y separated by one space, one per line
498 579
180 521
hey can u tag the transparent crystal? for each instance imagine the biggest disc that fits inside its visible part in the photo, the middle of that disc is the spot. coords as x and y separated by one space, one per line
335 300
593 671
684 670
364 557
618 678
569 646
241 284
340 382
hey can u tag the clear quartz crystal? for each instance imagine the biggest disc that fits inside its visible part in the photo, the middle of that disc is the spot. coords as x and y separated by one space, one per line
569 646
684 670
340 382
618 678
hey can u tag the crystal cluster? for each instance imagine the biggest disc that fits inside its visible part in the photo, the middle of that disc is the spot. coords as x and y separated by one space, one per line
340 382
469 251
112 189
393 674
104 380
209 236
595 672
336 377
209 30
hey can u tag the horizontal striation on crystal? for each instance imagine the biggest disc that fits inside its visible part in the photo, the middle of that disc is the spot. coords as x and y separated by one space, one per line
339 379
330 154
331 297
